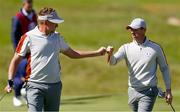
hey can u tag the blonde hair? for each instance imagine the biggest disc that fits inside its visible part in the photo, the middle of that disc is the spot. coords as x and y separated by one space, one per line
45 11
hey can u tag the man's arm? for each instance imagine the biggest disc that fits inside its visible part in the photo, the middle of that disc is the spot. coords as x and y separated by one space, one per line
166 75
109 50
82 54
12 70
113 59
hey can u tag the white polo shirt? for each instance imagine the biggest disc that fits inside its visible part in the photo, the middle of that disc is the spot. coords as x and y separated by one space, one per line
142 61
42 53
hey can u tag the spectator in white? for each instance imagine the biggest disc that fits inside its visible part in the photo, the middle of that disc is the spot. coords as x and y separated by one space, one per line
142 57
42 46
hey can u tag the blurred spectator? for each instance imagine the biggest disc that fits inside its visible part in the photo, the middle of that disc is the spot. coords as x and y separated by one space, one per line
23 21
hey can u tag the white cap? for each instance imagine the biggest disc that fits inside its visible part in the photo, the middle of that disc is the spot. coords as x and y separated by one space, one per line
52 17
137 23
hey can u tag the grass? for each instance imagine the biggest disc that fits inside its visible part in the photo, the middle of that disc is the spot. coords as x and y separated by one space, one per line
93 103
90 24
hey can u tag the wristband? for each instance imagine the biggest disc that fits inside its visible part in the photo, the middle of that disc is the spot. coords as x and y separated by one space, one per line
10 83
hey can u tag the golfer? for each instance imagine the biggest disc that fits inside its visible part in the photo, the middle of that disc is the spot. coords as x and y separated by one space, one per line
142 57
42 46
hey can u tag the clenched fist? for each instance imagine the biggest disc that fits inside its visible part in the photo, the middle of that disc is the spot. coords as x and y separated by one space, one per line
109 51
8 89
102 51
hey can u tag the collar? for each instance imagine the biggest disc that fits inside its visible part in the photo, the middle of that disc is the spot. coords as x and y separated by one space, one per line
24 12
28 15
39 32
43 34
143 44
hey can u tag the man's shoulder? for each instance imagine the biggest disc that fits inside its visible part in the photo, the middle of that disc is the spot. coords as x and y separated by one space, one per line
129 44
58 35
155 44
19 13
125 46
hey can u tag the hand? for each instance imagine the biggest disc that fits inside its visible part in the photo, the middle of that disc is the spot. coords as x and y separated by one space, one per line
8 89
101 51
109 51
168 96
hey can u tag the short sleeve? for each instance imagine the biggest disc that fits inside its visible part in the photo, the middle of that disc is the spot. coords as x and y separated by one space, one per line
23 45
62 44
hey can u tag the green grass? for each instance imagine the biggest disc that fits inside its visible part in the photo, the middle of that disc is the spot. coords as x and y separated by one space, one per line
90 24
93 103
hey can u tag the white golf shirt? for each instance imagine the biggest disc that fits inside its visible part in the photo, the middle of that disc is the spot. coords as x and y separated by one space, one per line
42 53
142 61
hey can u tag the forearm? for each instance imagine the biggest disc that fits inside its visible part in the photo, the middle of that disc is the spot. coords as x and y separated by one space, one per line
83 54
112 60
161 60
13 66
166 77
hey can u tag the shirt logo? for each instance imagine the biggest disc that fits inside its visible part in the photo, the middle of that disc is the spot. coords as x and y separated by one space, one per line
148 54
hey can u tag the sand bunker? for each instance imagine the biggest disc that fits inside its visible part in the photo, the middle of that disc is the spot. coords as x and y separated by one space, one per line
173 21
